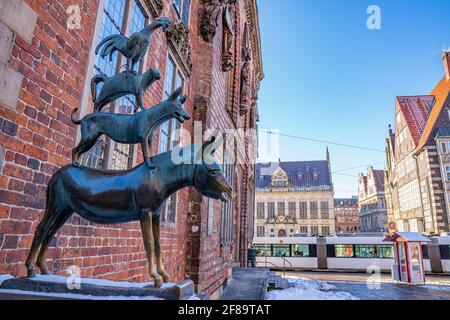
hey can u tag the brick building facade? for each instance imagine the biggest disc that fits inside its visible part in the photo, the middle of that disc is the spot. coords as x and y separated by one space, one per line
346 213
417 175
47 58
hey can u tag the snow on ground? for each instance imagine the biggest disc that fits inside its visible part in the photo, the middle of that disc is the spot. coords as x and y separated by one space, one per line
97 282
100 282
308 289
74 296
4 277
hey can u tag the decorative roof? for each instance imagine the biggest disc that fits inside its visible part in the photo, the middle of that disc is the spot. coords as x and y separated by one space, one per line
442 94
416 111
302 175
379 179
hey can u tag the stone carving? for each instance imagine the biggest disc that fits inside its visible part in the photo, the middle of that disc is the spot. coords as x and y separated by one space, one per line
245 82
178 35
228 38
210 20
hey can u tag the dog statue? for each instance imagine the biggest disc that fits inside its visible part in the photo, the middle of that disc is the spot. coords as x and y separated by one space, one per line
120 85
129 129
112 197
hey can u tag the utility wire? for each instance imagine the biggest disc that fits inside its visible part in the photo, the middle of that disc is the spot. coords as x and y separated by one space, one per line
322 141
363 166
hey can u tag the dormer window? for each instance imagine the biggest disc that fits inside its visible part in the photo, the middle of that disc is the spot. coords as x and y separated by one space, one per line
315 174
300 175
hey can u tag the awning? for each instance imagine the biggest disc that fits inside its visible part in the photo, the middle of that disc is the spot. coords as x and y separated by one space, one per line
406 237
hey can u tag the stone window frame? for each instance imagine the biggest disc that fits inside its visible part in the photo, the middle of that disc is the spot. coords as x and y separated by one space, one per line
86 100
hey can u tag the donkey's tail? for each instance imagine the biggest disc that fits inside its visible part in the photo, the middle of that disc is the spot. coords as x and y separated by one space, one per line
96 80
74 120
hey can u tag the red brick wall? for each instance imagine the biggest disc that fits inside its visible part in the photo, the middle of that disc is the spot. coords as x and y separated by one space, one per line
37 137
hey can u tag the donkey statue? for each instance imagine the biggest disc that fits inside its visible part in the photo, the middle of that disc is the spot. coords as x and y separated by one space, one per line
112 197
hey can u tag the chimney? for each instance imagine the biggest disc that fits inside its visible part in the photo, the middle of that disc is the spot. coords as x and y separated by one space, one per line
446 60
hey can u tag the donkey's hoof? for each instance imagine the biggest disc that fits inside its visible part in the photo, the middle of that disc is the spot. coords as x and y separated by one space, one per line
166 277
31 273
44 270
158 281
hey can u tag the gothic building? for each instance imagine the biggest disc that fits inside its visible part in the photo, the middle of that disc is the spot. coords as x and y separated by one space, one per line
372 201
418 165
294 198
47 50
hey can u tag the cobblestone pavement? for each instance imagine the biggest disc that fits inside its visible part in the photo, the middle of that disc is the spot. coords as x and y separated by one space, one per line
436 288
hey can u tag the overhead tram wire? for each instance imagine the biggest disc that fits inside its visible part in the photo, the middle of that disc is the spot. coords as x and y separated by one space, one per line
322 141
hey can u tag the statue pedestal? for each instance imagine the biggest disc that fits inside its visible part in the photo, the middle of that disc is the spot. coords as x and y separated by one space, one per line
98 289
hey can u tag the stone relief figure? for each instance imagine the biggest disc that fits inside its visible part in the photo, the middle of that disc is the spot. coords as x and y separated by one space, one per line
210 19
245 82
228 38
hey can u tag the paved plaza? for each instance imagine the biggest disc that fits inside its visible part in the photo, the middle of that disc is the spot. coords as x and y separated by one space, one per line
436 288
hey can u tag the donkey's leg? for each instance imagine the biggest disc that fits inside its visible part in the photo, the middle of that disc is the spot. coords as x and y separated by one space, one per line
159 264
58 222
147 235
41 231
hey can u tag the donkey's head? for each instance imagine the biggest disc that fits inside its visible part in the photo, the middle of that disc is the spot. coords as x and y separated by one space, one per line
175 106
209 179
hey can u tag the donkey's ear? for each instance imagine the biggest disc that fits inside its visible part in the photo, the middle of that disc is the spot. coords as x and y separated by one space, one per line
183 99
176 94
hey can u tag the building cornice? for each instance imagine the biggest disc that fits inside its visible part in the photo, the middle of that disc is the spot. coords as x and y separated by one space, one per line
251 10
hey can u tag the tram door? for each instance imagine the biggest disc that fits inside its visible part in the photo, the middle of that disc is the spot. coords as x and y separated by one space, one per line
402 260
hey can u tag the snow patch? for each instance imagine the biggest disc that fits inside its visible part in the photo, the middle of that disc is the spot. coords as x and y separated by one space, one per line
74 296
308 289
100 282
4 277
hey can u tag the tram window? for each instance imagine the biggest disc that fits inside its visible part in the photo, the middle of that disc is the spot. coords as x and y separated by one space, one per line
263 250
343 251
374 251
281 251
445 252
300 250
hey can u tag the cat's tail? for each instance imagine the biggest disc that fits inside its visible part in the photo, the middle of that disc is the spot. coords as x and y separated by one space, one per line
74 120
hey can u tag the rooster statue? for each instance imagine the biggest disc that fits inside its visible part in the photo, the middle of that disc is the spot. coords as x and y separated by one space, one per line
134 47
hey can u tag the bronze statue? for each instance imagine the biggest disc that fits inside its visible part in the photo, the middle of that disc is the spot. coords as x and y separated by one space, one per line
120 85
134 47
130 129
112 197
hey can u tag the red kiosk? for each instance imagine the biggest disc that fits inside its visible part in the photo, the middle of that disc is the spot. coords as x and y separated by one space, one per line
408 266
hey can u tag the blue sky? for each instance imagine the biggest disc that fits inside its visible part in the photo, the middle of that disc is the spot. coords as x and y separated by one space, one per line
329 77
